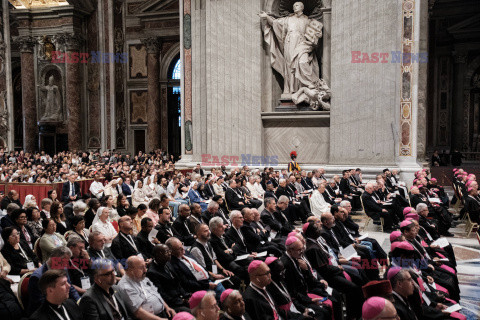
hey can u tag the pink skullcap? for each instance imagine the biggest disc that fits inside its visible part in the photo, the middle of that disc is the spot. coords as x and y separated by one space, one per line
407 210
415 180
420 186
405 223
305 226
412 187
254 265
393 272
270 260
373 307
394 235
196 298
292 234
402 245
290 240
433 179
225 294
412 215
469 182
455 169
183 316
470 189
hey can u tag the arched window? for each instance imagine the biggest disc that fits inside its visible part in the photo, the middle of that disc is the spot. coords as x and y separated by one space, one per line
176 71
174 106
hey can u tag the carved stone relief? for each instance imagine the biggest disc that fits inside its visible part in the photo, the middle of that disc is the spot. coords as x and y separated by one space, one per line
138 106
138 61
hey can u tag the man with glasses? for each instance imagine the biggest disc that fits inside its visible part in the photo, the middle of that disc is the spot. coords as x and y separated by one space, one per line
101 301
403 287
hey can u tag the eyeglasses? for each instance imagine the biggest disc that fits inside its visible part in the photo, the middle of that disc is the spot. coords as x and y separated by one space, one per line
108 273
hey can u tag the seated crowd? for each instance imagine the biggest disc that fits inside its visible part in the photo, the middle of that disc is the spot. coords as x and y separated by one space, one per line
257 244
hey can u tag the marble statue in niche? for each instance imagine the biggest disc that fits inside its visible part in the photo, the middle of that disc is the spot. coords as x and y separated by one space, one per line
51 101
292 41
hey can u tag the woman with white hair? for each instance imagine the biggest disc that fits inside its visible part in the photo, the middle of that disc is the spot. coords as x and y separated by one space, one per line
102 224
30 202
195 196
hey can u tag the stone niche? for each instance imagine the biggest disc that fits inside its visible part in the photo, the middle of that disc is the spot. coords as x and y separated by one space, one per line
46 72
287 127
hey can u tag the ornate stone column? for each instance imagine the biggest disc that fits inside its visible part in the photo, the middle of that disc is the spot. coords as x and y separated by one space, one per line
30 128
327 27
153 45
73 89
460 112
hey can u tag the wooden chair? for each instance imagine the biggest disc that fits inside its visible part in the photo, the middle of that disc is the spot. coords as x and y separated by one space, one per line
369 219
22 290
37 250
469 224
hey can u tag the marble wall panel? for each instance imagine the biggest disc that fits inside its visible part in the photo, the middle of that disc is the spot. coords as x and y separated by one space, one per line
364 116
138 106
137 56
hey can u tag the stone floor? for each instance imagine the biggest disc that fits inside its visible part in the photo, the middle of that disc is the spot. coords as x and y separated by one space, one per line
467 252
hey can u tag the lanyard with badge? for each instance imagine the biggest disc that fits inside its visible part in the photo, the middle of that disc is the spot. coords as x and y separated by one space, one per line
132 243
85 281
58 314
30 264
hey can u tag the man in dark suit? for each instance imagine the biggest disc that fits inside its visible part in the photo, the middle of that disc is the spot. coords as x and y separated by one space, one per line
12 197
296 210
193 277
254 239
258 302
234 236
101 301
145 246
125 244
162 275
195 217
375 210
180 225
225 254
269 191
234 197
403 287
164 226
274 217
349 190
54 285
71 189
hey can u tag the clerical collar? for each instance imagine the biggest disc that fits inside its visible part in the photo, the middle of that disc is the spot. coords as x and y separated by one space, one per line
54 306
258 287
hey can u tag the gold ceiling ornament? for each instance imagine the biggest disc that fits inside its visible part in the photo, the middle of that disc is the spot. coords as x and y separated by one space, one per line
32 4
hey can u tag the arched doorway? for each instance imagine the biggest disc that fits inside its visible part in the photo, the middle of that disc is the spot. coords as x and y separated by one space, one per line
174 107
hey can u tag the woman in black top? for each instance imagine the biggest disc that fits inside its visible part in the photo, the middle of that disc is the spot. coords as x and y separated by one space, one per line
17 252
19 216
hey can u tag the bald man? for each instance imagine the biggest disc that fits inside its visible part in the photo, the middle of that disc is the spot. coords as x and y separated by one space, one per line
125 244
378 308
140 294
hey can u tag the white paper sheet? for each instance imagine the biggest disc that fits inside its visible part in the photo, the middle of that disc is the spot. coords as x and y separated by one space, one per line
14 278
262 254
152 235
349 252
434 200
453 308
242 257
221 280
329 291
441 242
363 237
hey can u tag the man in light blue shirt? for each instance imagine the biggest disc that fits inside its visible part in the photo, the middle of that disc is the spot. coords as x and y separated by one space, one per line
140 295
